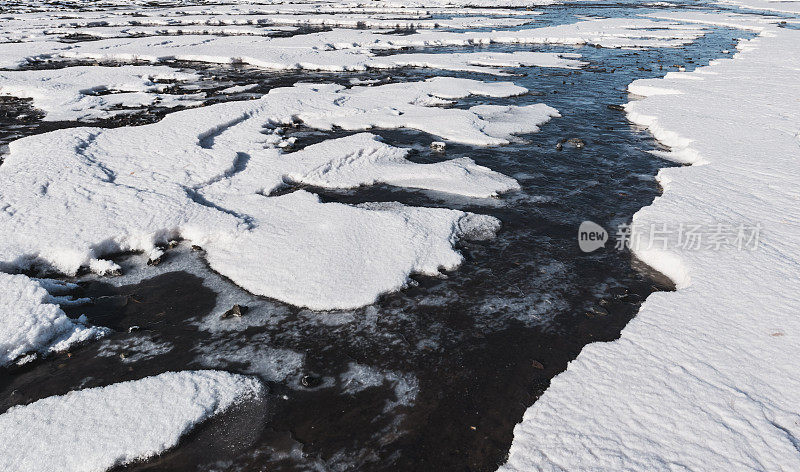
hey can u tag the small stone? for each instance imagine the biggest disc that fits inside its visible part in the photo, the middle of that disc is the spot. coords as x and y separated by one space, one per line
438 146
236 310
537 365
196 248
599 311
577 142
616 107
133 328
172 243
155 261
559 147
310 381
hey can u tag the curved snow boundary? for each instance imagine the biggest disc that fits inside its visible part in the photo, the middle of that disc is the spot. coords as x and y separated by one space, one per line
704 378
31 322
96 429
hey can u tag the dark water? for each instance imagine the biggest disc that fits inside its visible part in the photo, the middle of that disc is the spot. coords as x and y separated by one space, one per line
434 376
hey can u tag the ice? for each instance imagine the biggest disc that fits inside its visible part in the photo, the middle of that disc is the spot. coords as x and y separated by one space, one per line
94 92
704 378
354 49
205 175
359 377
98 428
134 349
271 364
786 6
30 322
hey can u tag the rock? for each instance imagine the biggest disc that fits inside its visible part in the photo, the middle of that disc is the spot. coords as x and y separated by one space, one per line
577 142
537 365
196 248
438 146
599 311
310 381
616 107
235 311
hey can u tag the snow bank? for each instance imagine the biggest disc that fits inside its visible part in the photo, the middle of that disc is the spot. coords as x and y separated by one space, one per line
347 49
784 6
362 159
206 175
94 92
704 378
31 322
96 429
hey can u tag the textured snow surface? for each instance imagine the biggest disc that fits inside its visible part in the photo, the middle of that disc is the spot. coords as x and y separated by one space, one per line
704 378
32 322
93 92
336 50
124 189
95 429
786 6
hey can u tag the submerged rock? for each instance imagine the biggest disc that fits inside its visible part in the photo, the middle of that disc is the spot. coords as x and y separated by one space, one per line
235 311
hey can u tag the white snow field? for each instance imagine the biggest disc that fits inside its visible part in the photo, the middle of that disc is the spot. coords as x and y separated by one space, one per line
127 189
31 321
343 49
704 378
95 429
783 6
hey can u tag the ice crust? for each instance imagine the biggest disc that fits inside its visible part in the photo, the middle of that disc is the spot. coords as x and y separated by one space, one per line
704 378
95 429
126 189
32 322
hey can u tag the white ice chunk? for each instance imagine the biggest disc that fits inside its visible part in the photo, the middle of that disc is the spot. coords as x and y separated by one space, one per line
96 429
29 322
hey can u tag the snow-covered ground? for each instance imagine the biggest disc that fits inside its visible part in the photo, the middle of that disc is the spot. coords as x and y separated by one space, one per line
701 379
96 429
704 378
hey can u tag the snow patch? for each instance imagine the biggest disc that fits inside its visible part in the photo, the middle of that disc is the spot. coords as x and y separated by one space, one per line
98 428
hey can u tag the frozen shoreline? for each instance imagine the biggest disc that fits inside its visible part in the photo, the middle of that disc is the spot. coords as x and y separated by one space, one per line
703 377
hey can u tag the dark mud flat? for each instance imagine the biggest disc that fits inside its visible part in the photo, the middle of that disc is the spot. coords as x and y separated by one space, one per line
443 369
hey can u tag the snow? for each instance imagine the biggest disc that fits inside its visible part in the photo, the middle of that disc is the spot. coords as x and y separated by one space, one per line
124 189
31 322
94 92
349 49
95 429
784 6
703 378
